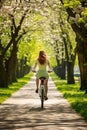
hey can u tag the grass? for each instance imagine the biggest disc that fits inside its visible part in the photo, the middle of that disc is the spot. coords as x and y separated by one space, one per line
7 92
71 92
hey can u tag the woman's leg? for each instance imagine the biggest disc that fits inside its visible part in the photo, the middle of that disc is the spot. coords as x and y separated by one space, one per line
37 84
46 86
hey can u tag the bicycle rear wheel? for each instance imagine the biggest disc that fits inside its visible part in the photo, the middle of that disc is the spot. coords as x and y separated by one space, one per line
42 98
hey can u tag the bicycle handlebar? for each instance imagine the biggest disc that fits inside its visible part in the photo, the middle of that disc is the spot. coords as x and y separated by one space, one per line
49 71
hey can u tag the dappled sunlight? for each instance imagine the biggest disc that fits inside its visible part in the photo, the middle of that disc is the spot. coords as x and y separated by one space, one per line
56 117
23 111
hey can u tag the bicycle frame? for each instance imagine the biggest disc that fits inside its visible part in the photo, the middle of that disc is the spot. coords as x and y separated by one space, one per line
42 91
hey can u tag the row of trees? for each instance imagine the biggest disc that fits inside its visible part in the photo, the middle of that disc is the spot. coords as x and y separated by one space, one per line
57 22
65 48
62 38
10 36
15 22
19 17
77 16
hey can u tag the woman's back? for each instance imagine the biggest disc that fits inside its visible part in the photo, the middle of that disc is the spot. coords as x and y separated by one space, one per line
42 66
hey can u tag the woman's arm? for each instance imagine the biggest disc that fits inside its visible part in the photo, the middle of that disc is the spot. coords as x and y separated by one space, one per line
34 67
49 66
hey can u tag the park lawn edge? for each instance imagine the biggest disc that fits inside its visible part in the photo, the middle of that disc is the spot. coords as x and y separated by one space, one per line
73 94
5 93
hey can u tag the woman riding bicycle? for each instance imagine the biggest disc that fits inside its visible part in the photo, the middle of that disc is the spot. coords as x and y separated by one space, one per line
42 62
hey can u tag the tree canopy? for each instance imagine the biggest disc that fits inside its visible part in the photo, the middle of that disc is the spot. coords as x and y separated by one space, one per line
57 26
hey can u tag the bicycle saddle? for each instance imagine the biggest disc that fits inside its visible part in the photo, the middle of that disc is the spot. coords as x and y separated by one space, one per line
42 78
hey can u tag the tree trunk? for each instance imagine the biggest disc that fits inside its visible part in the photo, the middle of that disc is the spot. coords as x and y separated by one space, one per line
63 70
12 65
82 58
3 75
70 73
60 70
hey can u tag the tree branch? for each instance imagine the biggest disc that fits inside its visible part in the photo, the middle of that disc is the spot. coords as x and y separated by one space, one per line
62 2
12 20
81 31
21 35
6 48
22 19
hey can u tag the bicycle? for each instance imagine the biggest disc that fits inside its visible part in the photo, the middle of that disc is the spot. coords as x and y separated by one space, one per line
42 93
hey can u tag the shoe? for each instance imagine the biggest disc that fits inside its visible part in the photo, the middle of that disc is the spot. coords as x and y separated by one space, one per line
36 90
46 98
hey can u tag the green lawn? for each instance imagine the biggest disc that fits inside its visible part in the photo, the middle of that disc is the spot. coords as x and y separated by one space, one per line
7 92
77 98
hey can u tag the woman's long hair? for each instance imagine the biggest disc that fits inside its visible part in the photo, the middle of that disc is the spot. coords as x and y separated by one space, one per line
42 57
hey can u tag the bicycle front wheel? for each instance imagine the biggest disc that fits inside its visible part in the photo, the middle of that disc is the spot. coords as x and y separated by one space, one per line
42 98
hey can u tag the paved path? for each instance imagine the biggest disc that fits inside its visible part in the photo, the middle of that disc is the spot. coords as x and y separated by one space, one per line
22 111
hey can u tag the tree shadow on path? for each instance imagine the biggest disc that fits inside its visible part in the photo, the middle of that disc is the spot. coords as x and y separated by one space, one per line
22 112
